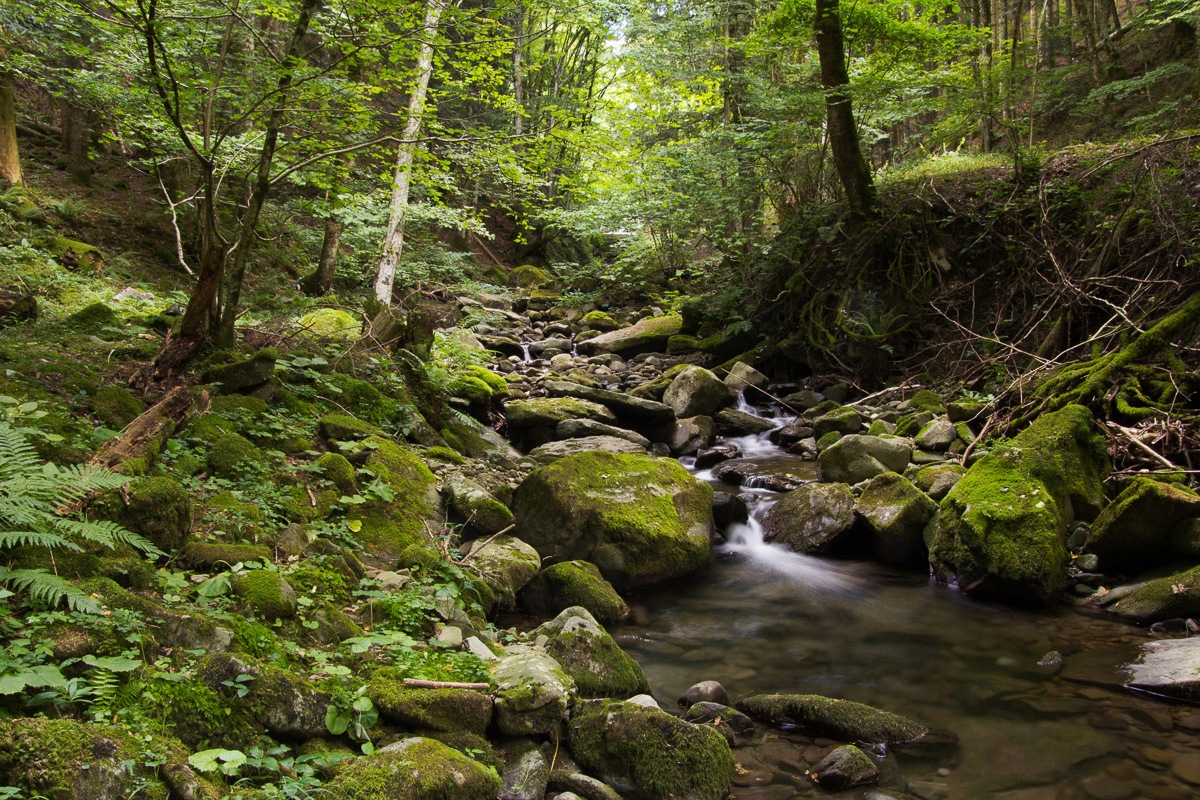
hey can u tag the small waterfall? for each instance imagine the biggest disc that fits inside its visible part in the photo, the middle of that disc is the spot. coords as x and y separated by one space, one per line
526 355
745 540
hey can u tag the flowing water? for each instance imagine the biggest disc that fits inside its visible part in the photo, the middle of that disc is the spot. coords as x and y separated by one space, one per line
765 620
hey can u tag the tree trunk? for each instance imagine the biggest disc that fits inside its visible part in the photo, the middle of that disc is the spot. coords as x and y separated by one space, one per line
393 243
844 143
76 134
317 284
10 162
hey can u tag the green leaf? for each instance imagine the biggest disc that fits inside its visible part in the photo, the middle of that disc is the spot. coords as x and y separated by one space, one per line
113 663
337 720
11 684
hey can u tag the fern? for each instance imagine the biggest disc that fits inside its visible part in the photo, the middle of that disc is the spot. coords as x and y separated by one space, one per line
34 498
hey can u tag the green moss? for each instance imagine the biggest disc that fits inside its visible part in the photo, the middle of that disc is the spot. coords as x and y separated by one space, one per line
252 638
880 428
472 745
926 400
429 709
332 323
648 753
1173 597
116 406
268 594
233 454
221 555
244 374
92 319
844 720
339 471
549 411
208 427
527 276
415 769
908 425
66 760
573 583
361 399
157 508
417 556
313 578
600 321
196 715
1134 531
472 389
828 439
444 454
497 384
345 428
300 506
228 405
597 664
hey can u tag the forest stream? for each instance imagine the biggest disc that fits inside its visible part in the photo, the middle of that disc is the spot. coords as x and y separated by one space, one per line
1035 699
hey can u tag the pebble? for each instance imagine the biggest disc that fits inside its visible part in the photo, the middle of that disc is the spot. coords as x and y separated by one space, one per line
1187 768
1107 787
929 790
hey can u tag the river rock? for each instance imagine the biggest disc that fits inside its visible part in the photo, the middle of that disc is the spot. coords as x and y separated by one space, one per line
446 710
937 435
414 769
550 452
896 512
573 583
845 768
577 786
533 693
690 434
505 564
844 720
547 412
1171 597
788 435
855 457
526 771
540 348
475 504
649 335
1168 668
640 519
707 712
709 457
731 422
937 480
803 400
742 376
844 420
1134 531
647 754
1001 530
749 473
705 691
729 509
581 428
633 411
593 659
697 392
811 518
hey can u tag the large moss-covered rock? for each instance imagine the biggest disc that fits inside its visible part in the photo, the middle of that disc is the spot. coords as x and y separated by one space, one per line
445 709
116 406
550 452
414 769
650 335
1172 597
855 457
811 518
844 720
1000 531
639 519
697 392
245 374
573 583
157 508
331 323
649 754
533 692
475 504
346 428
505 564
632 411
232 454
598 665
389 526
547 412
1134 531
266 594
896 512
285 704
844 419
62 759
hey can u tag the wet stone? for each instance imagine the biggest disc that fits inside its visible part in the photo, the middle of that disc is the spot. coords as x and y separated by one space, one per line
1108 787
1187 768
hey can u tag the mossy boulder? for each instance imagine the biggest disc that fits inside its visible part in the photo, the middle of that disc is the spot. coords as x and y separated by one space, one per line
445 709
116 406
93 318
475 505
811 518
1134 531
593 659
1173 597
573 583
926 400
266 594
648 754
389 526
599 321
345 428
363 399
697 392
157 508
414 769
473 390
243 375
505 564
853 458
650 335
233 454
331 323
547 412
62 759
844 419
843 720
338 470
219 556
1000 531
533 692
550 452
209 427
896 512
285 704
938 479
640 519
845 768
527 276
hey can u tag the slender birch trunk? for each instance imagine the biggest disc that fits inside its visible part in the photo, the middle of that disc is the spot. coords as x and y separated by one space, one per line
393 243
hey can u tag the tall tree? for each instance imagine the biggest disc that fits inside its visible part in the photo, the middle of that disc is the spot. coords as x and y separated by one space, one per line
844 141
10 161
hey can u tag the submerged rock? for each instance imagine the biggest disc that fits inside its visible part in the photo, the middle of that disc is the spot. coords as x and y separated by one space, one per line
845 768
648 754
838 719
414 769
640 519
812 518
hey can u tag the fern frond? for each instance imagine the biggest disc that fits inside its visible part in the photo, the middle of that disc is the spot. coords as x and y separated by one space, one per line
9 539
80 480
17 454
105 533
49 589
